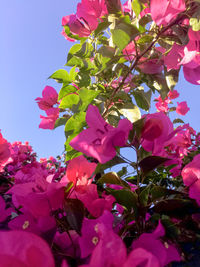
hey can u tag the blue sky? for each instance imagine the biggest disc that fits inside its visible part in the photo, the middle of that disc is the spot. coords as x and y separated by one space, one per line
31 49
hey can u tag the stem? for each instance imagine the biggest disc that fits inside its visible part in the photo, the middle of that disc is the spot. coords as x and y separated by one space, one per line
138 57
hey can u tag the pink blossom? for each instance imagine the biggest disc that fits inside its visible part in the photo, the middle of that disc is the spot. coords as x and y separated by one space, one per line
156 132
162 105
49 121
173 94
191 178
151 66
86 19
89 196
23 249
48 99
150 251
163 12
4 151
100 139
89 233
173 58
79 171
182 108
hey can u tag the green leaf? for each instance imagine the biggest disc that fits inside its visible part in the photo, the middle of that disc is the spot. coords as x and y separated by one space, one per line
85 51
73 73
122 41
145 39
126 198
144 196
171 78
143 99
101 27
148 164
115 161
106 51
61 76
69 100
74 209
112 178
65 90
72 154
195 23
83 79
75 124
131 112
87 96
61 121
136 6
178 121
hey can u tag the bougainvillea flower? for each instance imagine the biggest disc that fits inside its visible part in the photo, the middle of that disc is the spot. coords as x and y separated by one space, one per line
162 105
155 251
49 121
68 243
48 99
79 171
182 108
4 151
151 66
89 234
110 250
173 94
100 139
89 196
23 249
191 178
156 132
163 12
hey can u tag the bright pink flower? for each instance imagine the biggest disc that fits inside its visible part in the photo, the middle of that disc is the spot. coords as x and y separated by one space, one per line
110 250
182 108
89 196
89 233
23 249
164 11
49 121
173 94
100 139
156 132
151 66
173 58
191 178
149 251
79 171
48 99
162 105
86 19
4 151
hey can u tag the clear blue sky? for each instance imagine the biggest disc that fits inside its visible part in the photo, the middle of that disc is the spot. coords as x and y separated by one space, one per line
31 49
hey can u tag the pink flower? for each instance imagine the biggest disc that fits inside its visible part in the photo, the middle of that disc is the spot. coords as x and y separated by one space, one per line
86 19
49 121
156 132
191 178
79 171
89 196
4 151
89 233
173 94
163 12
162 105
148 250
48 99
100 139
182 108
23 249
